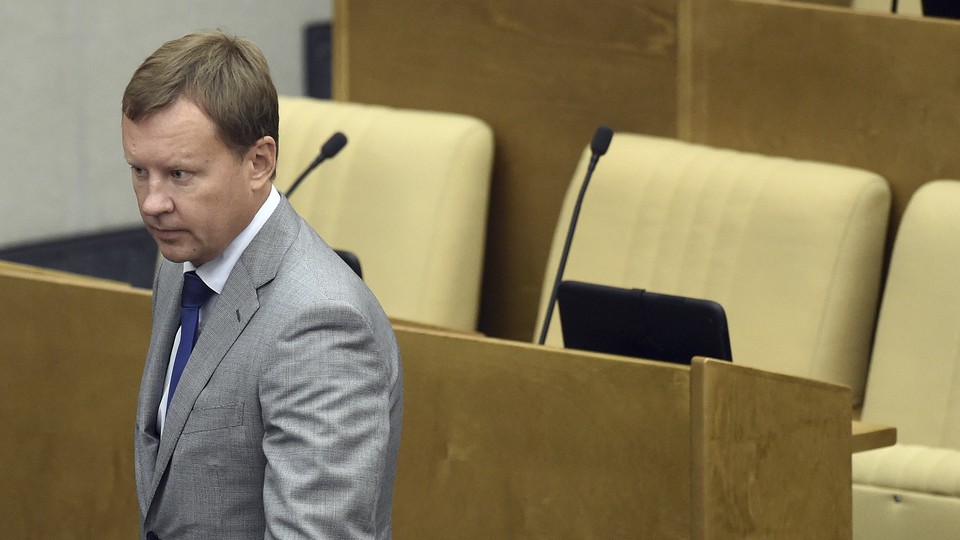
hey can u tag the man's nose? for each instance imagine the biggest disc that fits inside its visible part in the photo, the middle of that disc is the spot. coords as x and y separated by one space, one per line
156 200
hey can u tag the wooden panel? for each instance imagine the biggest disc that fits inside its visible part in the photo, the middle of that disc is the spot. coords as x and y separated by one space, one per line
506 440
874 91
73 350
771 455
544 75
500 439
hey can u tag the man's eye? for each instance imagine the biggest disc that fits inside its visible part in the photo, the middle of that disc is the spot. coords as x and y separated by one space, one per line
138 172
179 175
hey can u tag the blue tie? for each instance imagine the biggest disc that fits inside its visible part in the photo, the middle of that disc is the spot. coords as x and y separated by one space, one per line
195 293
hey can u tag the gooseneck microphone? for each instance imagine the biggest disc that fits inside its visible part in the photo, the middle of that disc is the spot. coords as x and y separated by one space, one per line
598 147
334 144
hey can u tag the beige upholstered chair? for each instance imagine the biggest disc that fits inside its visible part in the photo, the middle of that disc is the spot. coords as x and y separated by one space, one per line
408 195
912 490
791 249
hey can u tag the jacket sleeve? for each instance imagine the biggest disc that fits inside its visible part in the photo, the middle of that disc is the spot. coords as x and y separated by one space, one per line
324 395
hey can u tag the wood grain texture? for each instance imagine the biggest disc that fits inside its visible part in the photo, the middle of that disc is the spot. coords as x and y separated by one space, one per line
870 436
508 440
874 91
72 357
500 439
544 76
771 455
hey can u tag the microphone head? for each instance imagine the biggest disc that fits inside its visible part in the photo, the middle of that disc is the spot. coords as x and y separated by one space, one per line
601 140
334 144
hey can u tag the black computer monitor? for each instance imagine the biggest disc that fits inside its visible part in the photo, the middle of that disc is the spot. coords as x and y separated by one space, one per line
947 9
642 324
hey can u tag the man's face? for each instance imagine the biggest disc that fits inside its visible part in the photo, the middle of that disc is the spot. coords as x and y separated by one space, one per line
195 194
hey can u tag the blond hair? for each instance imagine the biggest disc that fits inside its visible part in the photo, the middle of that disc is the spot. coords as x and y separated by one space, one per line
227 77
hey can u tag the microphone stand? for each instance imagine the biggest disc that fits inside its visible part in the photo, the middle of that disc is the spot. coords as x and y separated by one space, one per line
598 147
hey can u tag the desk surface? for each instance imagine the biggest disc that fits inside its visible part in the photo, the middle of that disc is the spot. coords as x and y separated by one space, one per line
871 436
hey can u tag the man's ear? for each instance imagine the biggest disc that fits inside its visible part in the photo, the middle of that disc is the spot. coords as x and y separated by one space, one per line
262 161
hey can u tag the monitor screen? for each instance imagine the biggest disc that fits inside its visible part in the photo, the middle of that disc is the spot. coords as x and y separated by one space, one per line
947 9
642 324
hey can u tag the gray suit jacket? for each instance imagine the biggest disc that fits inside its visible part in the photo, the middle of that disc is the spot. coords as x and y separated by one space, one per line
286 421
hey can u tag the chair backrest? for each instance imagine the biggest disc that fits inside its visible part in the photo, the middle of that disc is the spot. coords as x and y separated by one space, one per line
408 195
914 381
792 250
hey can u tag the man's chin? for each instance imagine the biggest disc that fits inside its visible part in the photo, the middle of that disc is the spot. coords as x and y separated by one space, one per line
172 254
174 258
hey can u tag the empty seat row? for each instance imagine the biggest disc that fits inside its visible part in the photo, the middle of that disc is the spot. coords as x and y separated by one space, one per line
793 250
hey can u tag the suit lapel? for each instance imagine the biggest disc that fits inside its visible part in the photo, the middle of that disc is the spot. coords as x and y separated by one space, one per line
236 306
167 320
166 316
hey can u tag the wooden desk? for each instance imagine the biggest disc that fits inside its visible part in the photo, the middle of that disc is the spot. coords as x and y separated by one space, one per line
871 436
500 439
504 439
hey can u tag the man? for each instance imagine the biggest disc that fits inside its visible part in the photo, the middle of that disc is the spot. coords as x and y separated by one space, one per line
284 420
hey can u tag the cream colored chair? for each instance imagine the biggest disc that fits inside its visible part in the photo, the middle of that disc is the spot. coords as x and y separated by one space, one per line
791 249
408 195
912 490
